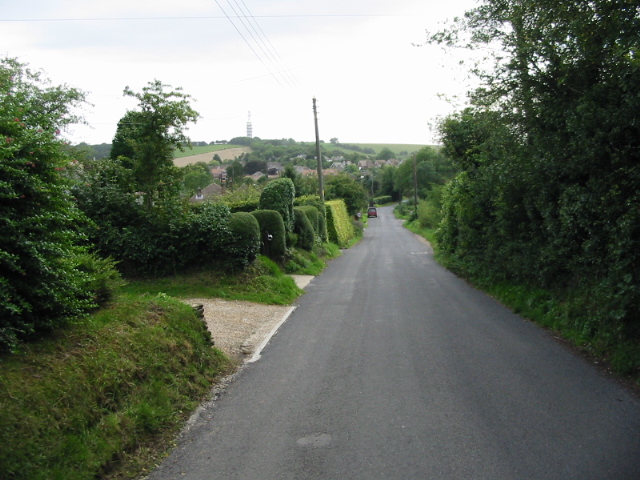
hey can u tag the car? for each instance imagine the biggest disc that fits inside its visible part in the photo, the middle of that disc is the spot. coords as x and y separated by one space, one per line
372 212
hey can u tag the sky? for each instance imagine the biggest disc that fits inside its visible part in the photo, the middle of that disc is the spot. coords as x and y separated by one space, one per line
266 57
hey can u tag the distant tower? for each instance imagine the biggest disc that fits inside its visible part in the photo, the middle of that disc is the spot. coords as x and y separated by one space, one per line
249 127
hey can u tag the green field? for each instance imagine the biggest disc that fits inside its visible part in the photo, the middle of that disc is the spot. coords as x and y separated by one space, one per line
204 149
396 148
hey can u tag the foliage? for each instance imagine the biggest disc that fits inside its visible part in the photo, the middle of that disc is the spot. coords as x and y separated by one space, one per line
279 195
314 201
303 228
195 176
432 167
155 131
382 200
243 245
272 233
551 173
344 187
339 225
41 284
81 404
162 241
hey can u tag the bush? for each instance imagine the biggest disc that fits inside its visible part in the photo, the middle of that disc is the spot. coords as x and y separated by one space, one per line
339 225
382 200
303 228
102 277
40 284
314 201
278 195
271 224
243 245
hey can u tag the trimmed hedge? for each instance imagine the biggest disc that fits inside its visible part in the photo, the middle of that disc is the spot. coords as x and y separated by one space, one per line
303 228
244 243
339 226
278 195
382 200
314 201
271 223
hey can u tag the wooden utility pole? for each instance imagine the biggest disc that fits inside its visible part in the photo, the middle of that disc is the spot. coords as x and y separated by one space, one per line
318 155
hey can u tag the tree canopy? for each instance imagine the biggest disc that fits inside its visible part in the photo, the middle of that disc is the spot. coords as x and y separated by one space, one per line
549 151
41 283
152 133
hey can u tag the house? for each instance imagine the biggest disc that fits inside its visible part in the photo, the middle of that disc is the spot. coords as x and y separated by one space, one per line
213 190
274 168
365 164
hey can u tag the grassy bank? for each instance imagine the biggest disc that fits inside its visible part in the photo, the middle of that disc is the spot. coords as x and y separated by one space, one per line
100 398
106 397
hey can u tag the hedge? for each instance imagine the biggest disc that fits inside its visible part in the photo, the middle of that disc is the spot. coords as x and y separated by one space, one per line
278 195
314 201
339 226
244 242
271 223
304 228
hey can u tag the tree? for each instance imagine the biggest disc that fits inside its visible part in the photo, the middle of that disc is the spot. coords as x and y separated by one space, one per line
386 154
550 152
196 176
123 141
346 188
158 128
41 282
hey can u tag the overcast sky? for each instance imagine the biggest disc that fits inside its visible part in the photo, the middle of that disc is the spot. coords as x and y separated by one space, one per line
357 58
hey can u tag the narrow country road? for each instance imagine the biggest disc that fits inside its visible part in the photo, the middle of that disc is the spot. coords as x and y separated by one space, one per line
393 368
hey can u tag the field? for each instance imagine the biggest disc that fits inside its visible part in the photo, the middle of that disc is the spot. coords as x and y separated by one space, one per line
228 153
204 149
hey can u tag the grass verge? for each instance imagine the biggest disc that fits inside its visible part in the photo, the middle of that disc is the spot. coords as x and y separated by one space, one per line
263 282
97 400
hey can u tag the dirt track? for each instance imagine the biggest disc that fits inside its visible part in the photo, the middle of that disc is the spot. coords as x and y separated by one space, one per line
227 154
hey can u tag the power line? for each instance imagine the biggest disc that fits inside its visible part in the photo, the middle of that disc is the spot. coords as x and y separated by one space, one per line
205 17
286 69
258 40
249 45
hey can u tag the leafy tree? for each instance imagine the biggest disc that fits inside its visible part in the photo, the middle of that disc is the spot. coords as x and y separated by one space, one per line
253 166
346 188
196 176
550 186
41 282
386 154
123 141
158 129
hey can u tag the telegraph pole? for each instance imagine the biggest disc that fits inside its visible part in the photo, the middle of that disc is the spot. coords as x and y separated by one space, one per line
318 155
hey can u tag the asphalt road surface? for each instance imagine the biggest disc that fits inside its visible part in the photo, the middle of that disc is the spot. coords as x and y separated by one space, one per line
393 368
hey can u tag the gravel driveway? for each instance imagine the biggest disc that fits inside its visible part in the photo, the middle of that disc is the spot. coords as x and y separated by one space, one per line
239 328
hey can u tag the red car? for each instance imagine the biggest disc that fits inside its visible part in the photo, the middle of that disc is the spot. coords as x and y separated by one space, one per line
372 212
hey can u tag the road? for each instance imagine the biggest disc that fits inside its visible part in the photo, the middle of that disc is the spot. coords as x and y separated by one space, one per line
391 367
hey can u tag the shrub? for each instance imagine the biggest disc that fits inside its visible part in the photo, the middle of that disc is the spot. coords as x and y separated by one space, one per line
102 277
382 200
314 201
339 225
271 224
303 228
278 195
244 242
40 284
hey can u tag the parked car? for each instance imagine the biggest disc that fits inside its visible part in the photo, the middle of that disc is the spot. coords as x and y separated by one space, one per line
372 212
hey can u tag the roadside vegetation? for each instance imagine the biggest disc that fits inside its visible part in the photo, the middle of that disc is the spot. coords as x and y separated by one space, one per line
100 360
543 210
